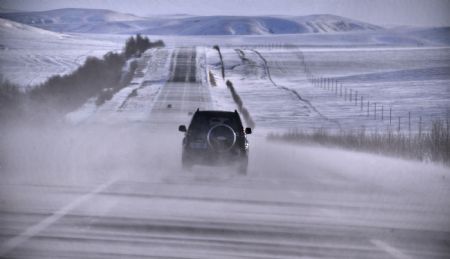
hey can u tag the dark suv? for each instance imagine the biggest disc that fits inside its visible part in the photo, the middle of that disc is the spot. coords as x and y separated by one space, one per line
215 138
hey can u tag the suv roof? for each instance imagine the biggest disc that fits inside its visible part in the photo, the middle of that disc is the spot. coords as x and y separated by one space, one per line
216 113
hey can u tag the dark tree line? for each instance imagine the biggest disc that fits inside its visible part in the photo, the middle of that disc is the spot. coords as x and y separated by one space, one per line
139 44
62 94
70 91
10 99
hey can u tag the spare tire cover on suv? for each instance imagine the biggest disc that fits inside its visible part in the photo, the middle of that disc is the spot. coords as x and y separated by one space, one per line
221 137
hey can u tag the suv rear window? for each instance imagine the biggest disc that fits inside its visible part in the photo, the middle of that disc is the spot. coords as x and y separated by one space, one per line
202 122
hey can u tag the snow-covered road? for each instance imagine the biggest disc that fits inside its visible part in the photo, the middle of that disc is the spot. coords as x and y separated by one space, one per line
291 205
103 191
183 93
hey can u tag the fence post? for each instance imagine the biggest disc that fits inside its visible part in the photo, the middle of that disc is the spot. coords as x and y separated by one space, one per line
446 136
390 115
350 95
336 87
375 111
345 94
398 129
409 124
362 102
447 150
388 130
340 91
356 98
368 109
420 127
382 112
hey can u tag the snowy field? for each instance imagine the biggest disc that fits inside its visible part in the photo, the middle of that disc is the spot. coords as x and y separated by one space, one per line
397 79
29 55
403 80
397 76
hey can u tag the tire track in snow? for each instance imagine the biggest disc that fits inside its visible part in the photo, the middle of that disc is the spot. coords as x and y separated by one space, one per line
294 92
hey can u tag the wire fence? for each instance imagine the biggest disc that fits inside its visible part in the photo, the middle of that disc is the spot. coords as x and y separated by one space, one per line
388 116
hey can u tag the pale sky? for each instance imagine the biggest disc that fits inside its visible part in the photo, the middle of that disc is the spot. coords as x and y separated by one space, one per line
381 12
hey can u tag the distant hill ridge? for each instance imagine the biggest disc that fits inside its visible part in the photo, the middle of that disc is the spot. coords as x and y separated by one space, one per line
11 29
81 20
68 16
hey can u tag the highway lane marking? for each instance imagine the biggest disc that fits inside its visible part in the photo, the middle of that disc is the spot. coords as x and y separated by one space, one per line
394 252
168 64
161 96
34 230
189 67
185 83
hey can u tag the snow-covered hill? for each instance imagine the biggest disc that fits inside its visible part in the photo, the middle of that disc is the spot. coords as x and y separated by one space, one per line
258 25
320 29
227 25
69 16
29 55
333 23
10 28
7 10
434 35
105 21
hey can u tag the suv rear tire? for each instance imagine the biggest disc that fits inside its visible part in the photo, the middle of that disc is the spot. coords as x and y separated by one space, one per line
243 166
186 163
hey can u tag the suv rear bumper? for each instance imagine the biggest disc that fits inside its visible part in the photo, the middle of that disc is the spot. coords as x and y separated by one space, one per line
209 157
